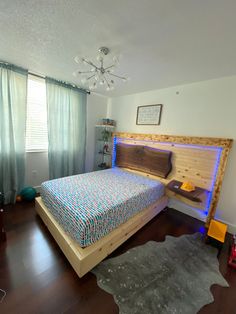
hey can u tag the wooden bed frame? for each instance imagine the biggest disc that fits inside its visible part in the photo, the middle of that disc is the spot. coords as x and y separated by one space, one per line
84 259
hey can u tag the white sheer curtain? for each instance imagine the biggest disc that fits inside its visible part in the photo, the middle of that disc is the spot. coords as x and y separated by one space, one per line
13 99
66 129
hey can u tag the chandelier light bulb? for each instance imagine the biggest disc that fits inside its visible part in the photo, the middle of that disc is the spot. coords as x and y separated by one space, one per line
75 73
83 80
125 79
99 58
115 59
78 59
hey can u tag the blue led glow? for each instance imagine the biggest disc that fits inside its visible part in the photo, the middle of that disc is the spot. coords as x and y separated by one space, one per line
219 151
202 230
212 148
113 162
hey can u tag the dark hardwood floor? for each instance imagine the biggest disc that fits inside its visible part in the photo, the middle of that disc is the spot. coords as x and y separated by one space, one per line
39 279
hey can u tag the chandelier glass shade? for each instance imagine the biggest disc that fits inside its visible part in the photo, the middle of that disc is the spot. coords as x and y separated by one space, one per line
99 73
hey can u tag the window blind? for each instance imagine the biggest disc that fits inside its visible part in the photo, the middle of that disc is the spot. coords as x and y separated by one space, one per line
36 122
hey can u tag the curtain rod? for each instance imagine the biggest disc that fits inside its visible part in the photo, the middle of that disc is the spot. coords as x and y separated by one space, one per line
6 64
37 75
60 82
12 67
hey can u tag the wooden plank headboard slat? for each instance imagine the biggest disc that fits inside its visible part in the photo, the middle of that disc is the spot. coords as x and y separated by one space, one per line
194 140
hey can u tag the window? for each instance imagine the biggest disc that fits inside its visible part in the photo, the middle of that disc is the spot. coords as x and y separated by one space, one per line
36 122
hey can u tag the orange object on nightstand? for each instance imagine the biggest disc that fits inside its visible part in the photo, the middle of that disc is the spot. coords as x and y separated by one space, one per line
188 186
217 230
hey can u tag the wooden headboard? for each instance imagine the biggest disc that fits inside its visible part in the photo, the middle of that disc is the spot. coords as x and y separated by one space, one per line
197 159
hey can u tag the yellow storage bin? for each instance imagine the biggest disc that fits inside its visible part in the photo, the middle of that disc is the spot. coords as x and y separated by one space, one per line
217 230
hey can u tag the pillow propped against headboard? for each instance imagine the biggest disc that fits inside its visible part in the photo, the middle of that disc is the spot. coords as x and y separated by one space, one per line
143 158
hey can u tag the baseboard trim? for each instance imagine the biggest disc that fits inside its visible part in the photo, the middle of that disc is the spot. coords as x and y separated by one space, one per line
198 214
231 228
183 208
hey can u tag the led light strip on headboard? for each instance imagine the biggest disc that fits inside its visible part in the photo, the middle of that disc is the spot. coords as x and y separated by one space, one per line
201 160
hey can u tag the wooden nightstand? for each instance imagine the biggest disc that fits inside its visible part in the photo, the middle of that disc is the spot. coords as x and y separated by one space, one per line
194 196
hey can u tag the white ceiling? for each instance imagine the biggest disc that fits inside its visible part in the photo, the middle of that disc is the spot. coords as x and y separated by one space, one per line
163 42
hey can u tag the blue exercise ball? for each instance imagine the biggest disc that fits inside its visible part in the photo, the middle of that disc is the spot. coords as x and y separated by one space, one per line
28 193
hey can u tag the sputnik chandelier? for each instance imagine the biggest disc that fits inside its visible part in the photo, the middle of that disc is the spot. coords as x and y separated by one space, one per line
100 74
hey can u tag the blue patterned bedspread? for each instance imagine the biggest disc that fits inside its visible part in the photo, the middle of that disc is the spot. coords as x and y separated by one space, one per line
88 206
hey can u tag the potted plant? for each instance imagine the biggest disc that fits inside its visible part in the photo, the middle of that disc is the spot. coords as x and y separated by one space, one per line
106 135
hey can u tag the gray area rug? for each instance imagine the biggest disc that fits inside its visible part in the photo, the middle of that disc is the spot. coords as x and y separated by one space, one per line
173 276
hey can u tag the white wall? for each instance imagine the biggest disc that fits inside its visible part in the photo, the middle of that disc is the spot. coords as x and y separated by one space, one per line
37 162
36 168
201 109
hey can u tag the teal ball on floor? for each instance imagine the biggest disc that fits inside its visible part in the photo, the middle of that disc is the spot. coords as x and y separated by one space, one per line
28 193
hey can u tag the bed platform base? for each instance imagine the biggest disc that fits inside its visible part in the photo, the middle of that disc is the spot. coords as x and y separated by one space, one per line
84 259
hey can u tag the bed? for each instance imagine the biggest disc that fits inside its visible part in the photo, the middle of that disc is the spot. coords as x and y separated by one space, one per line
90 215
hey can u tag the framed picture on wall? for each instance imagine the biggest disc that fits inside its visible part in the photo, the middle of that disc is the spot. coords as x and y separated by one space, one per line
149 115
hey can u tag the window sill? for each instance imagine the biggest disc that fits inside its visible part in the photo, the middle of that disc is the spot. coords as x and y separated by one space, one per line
36 151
